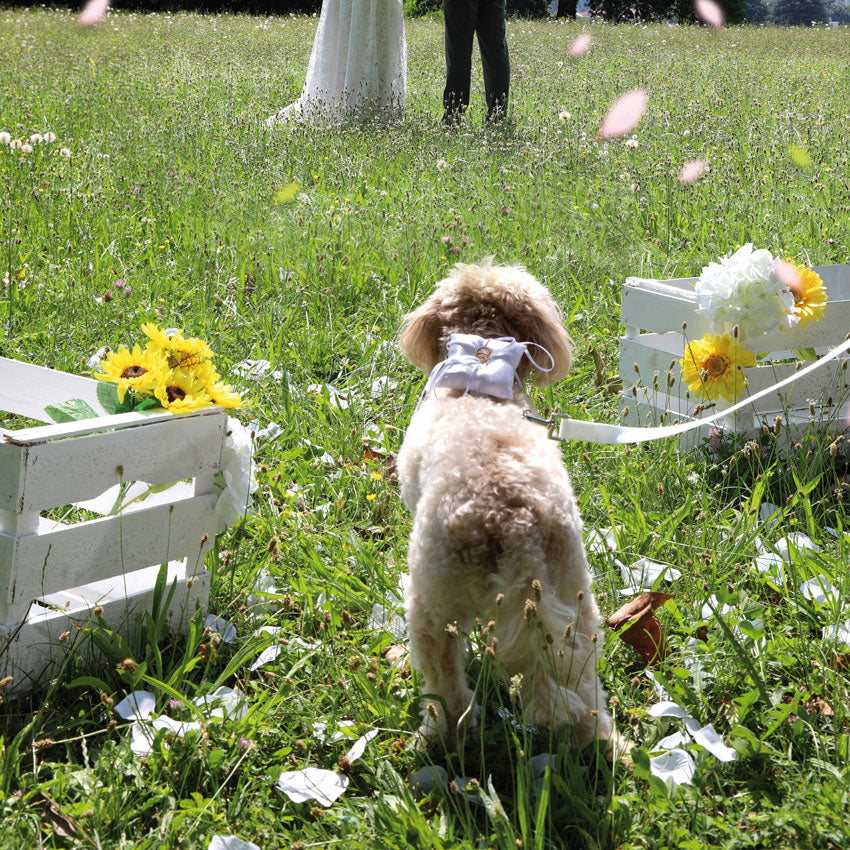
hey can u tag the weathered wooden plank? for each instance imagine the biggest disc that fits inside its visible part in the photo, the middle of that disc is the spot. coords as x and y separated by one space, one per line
68 471
111 546
25 389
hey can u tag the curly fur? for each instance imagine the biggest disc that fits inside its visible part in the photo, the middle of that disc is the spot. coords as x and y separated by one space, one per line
494 516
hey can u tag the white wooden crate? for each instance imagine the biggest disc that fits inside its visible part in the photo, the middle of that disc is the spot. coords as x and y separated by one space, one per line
53 573
653 313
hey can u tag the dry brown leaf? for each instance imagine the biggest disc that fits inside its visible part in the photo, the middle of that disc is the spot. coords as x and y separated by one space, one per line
644 633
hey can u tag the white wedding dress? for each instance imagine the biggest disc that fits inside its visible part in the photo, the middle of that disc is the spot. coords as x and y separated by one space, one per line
358 67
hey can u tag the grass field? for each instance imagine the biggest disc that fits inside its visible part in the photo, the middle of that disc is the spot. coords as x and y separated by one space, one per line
170 187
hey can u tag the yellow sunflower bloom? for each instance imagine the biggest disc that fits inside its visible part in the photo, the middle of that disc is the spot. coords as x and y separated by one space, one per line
179 393
222 395
135 370
809 294
712 366
182 353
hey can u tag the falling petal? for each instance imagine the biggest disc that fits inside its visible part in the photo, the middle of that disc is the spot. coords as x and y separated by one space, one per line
710 12
313 783
580 46
601 540
676 765
93 12
707 737
643 574
139 705
321 730
671 742
692 170
287 194
625 114
796 541
789 275
800 156
359 746
230 842
770 563
179 728
141 739
223 702
266 656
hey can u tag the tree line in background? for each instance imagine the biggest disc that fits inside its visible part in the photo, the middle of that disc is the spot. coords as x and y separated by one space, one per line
793 12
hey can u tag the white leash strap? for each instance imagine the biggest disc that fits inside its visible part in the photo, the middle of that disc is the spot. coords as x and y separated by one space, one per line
599 432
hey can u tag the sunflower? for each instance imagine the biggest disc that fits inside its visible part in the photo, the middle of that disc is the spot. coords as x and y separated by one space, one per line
135 370
179 393
809 294
182 353
712 365
222 395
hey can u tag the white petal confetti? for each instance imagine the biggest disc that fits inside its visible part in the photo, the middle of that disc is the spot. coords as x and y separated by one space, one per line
138 705
223 703
770 562
819 589
359 746
600 540
269 654
321 730
384 620
429 779
224 627
676 765
643 575
770 514
667 708
141 739
94 361
313 783
671 742
839 632
707 737
794 541
230 842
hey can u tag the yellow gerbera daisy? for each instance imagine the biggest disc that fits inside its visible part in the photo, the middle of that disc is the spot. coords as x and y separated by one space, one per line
179 393
809 294
222 395
712 366
135 370
182 353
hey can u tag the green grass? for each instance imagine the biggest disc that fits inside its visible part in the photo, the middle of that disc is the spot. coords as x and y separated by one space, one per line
170 187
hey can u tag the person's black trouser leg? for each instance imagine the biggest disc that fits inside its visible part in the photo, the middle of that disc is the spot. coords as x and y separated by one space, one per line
493 45
460 17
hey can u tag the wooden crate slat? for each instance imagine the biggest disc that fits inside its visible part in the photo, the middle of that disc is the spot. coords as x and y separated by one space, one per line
25 389
67 471
48 562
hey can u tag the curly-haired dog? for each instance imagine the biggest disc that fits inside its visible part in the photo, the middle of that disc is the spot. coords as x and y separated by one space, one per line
496 530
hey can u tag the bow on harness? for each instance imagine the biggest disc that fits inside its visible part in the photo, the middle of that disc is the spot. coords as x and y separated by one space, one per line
481 365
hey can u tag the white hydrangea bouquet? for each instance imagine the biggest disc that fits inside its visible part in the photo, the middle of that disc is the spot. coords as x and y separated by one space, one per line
746 295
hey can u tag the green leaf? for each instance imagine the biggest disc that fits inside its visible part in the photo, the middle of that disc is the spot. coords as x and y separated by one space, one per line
70 411
107 395
147 403
805 353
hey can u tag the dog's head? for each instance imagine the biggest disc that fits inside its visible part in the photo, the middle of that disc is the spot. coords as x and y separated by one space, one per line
490 301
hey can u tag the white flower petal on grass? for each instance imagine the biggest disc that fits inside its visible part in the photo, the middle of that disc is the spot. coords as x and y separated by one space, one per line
268 432
359 746
429 779
667 708
224 627
838 632
94 361
382 385
769 562
833 532
141 739
383 620
138 705
261 598
707 737
306 644
819 589
671 742
230 842
223 703
269 654
770 514
235 481
600 540
252 370
320 729
660 692
796 541
676 765
313 783
178 727
335 397
643 574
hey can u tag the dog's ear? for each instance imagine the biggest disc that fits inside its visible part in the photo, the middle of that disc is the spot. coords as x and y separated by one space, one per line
420 336
542 324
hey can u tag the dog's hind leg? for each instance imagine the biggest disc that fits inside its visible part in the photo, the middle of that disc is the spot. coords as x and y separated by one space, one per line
436 654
